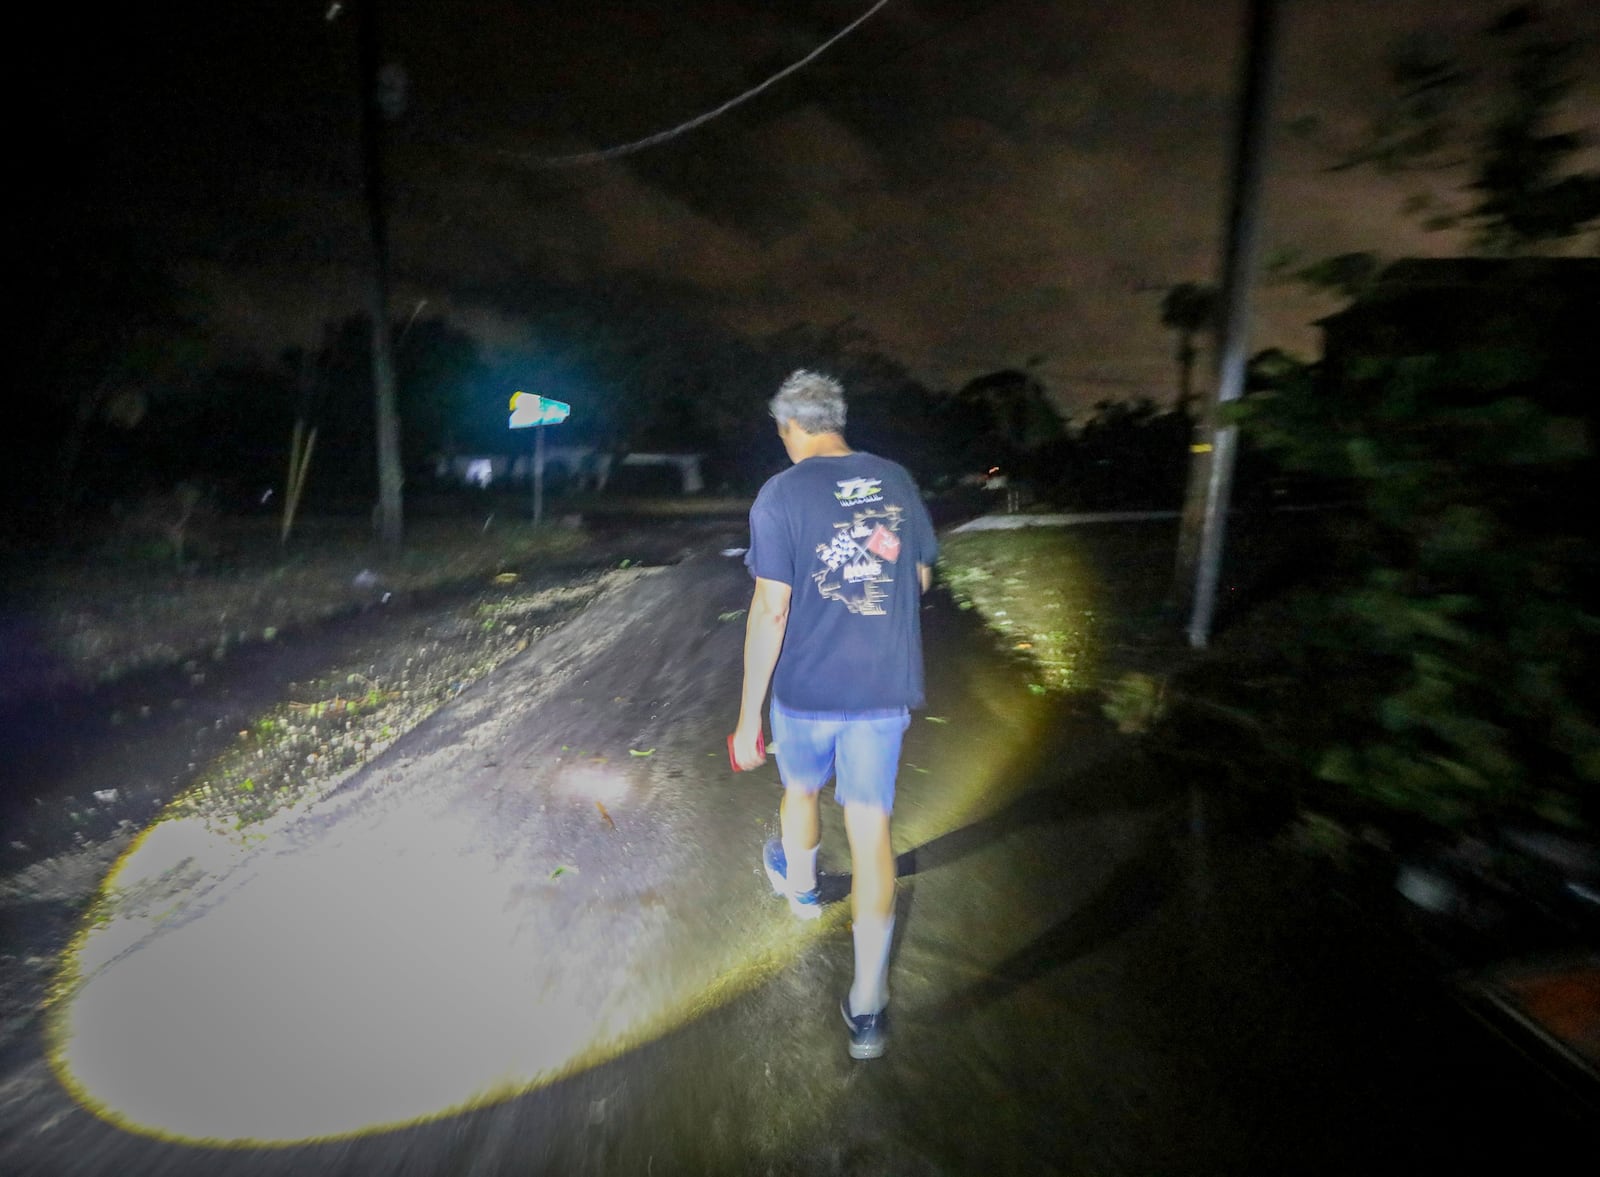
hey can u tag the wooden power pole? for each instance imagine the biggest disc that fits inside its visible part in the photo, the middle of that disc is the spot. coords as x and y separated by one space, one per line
386 411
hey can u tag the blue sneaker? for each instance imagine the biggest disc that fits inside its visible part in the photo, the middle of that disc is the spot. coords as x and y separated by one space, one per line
807 905
869 1033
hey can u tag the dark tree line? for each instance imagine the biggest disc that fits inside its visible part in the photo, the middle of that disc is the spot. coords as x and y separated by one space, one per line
134 412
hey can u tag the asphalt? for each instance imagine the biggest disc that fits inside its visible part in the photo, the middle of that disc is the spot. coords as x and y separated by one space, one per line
531 938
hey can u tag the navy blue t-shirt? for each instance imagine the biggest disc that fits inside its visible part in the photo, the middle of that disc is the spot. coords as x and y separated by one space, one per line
846 535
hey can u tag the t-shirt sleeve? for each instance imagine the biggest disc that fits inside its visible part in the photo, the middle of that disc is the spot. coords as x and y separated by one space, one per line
769 555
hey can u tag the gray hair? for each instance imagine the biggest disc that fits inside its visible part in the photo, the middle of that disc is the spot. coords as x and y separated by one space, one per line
811 400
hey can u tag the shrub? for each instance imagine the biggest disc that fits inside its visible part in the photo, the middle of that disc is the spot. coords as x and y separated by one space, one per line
1445 671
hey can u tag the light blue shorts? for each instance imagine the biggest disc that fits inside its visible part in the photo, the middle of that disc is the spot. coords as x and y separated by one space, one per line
861 748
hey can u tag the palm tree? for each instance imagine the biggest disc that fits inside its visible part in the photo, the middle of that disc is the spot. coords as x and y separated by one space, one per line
1188 308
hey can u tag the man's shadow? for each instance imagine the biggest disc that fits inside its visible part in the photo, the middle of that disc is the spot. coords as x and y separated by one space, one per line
1113 783
1134 890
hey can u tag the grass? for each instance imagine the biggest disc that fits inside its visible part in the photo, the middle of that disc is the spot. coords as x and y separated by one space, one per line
1077 605
101 614
1085 608
1088 609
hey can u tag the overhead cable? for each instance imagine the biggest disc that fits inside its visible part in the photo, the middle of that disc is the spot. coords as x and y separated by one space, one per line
589 157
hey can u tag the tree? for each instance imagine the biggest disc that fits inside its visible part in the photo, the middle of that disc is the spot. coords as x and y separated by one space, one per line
1442 668
443 388
438 371
1348 275
1000 418
1188 309
889 411
1522 192
845 350
1445 670
1524 200
1130 454
108 342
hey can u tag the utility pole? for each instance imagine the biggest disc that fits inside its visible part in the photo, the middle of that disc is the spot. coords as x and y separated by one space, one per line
1211 460
386 412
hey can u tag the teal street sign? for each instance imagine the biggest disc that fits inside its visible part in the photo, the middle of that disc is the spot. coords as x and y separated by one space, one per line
527 410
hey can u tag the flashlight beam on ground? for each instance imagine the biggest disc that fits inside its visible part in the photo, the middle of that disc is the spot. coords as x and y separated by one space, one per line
407 947
398 973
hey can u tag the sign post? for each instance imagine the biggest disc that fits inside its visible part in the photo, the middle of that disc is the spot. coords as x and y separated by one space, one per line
538 476
531 412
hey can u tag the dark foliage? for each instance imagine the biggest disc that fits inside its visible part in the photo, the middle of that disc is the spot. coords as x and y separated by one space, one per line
1129 455
1444 671
1491 109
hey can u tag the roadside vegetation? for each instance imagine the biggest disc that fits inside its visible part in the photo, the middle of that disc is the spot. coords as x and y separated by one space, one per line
1446 667
1072 605
132 599
305 745
1430 676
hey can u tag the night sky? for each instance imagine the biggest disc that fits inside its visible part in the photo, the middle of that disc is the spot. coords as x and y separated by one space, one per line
976 183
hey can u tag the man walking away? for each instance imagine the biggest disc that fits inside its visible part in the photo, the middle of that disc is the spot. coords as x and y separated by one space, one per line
842 549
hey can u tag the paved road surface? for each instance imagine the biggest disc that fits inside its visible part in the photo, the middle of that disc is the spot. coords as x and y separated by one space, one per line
530 938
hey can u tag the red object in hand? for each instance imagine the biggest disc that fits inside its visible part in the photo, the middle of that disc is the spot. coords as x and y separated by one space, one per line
761 749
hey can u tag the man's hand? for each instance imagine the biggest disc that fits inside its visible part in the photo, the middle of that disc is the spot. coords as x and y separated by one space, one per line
745 753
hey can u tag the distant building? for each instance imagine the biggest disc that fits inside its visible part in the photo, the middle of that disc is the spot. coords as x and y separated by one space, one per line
582 467
691 479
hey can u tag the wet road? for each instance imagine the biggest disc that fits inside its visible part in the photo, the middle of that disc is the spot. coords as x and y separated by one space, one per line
530 938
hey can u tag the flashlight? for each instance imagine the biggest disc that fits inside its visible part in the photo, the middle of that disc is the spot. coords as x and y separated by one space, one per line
762 749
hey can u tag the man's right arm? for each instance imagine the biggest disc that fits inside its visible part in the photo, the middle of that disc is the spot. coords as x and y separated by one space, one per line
764 627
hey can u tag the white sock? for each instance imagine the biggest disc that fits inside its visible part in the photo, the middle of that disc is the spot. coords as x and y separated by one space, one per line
870 992
802 872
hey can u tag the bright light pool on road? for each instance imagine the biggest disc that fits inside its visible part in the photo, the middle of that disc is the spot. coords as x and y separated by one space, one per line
397 965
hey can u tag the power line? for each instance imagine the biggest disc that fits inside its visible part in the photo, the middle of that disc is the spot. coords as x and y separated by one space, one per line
589 157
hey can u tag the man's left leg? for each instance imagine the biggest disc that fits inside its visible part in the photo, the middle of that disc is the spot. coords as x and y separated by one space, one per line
802 835
872 905
868 762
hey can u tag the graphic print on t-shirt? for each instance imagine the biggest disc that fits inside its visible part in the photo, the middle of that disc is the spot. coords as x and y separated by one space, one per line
857 561
859 490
